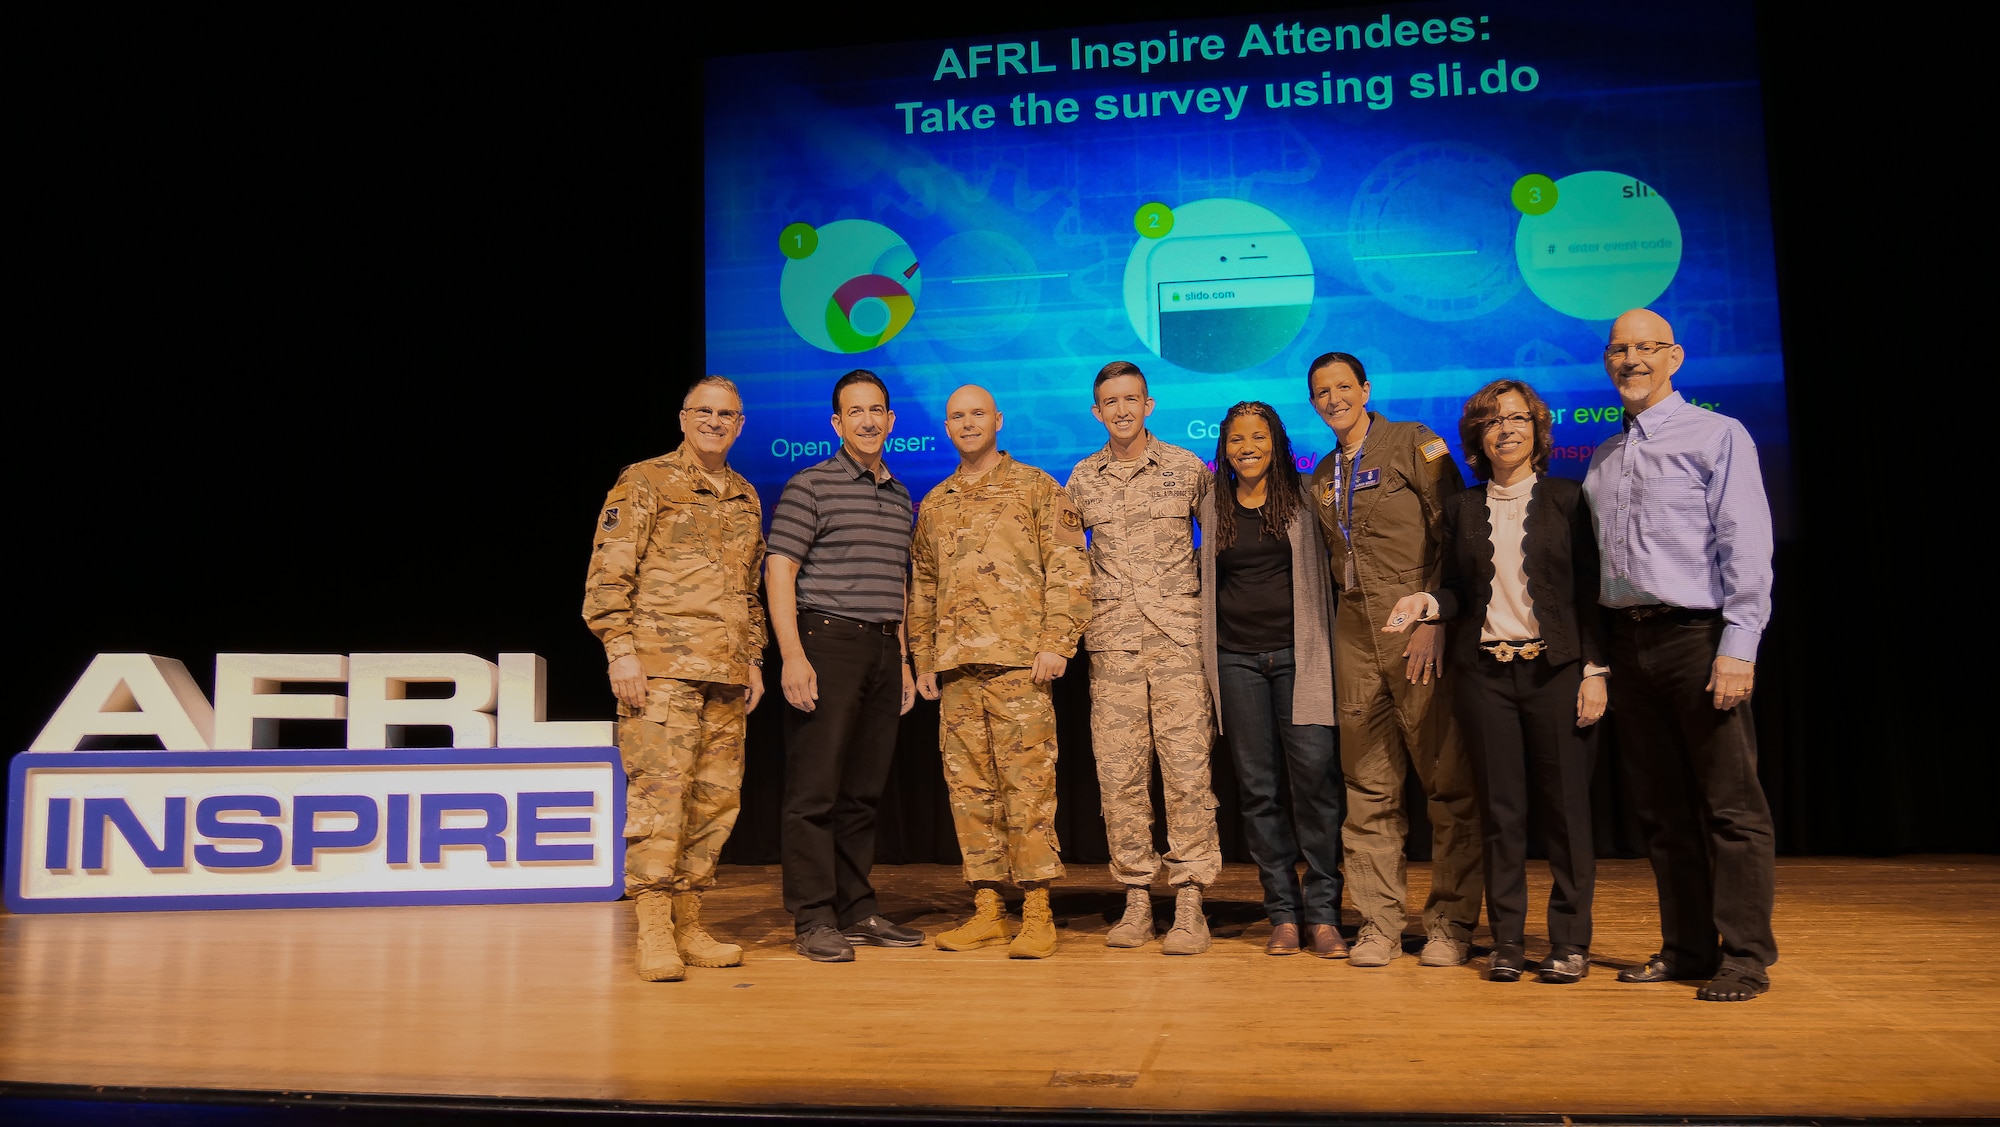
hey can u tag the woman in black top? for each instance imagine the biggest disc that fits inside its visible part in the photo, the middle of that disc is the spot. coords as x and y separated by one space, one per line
1520 582
1267 645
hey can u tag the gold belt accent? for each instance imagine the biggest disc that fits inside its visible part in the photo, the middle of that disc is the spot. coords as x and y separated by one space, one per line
1508 651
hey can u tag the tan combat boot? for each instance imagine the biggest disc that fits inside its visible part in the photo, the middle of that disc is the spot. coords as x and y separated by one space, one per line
697 947
1038 928
987 926
659 960
1136 929
1189 935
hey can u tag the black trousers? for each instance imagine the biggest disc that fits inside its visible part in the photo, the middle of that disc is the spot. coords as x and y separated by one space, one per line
1519 720
837 760
1694 769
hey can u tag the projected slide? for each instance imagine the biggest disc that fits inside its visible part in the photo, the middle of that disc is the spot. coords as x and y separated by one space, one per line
1454 194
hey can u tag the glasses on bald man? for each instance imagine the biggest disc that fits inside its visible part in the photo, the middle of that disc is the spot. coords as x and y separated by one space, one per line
1639 348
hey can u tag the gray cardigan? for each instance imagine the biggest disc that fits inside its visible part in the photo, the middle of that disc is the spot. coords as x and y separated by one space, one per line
1312 615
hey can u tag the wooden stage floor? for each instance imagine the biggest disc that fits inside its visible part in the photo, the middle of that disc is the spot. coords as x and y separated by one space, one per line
1886 1003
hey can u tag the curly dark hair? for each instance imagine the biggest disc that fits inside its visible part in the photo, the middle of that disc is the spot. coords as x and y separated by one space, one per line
1485 406
1282 494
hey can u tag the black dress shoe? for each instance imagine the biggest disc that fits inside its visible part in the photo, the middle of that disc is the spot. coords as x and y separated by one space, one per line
822 944
1564 969
1507 963
879 932
1657 969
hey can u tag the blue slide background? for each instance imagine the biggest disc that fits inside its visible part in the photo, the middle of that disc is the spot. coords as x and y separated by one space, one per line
1666 94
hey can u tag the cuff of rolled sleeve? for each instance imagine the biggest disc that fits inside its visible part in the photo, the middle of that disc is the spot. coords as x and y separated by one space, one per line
1739 643
618 646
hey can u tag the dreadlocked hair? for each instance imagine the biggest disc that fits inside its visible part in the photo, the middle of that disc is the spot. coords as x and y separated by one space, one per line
1282 490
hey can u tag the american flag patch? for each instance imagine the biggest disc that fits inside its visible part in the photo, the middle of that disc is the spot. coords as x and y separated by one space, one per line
1432 450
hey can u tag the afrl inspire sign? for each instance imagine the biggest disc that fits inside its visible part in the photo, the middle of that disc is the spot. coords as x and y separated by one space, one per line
220 819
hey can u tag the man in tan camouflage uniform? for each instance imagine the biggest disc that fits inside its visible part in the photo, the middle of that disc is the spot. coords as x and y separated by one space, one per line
999 596
1148 694
672 594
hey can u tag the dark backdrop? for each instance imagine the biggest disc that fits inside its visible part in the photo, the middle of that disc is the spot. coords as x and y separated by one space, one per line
331 336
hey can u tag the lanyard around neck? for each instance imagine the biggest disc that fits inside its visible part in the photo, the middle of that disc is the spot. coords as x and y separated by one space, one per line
1346 520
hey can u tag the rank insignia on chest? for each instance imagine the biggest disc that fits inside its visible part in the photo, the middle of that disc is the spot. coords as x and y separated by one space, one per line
1433 450
1326 494
610 520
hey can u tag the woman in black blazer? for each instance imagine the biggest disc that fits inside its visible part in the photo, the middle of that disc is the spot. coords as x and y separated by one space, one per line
1520 587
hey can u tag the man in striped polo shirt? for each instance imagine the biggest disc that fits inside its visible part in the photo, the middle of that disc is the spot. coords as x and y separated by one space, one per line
839 559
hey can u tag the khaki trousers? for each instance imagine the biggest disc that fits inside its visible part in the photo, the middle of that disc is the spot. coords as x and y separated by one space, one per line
997 733
683 757
1388 725
1145 704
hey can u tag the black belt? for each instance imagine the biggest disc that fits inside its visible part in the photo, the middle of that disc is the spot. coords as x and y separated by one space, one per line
1682 615
1508 651
888 628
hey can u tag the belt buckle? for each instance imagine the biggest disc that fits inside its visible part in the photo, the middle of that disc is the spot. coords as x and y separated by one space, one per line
1504 652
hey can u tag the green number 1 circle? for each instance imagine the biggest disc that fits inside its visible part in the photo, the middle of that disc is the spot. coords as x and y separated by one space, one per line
798 240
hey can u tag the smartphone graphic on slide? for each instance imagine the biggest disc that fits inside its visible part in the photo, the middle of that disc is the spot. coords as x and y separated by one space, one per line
1223 303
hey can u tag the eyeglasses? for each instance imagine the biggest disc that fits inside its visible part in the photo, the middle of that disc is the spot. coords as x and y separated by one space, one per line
1641 347
704 414
1517 422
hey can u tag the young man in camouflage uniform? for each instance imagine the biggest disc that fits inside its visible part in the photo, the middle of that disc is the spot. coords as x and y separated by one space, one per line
1148 694
672 594
998 599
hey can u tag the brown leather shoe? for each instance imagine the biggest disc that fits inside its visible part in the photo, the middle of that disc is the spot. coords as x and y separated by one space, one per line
1324 940
1284 940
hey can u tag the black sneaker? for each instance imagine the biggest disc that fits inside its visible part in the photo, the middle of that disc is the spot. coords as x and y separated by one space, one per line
822 944
879 932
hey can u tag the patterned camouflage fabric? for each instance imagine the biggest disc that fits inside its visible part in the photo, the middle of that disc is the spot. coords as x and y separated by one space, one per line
999 575
673 580
674 571
1142 565
1154 701
997 728
683 776
1388 725
1148 694
999 571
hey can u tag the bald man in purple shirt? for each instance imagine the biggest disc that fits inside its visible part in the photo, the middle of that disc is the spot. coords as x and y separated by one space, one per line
1684 533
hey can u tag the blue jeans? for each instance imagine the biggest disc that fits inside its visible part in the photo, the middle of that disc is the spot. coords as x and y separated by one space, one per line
1293 796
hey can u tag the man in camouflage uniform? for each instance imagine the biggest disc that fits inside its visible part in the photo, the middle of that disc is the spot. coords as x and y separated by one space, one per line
998 599
672 594
1148 694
